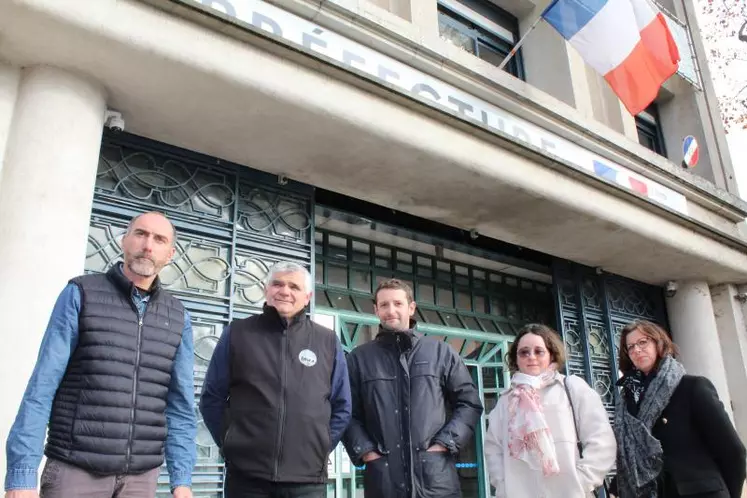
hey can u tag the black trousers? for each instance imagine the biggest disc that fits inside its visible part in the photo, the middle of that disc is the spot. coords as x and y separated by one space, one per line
238 486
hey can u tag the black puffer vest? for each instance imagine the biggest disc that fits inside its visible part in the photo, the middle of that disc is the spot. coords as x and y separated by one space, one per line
279 409
108 416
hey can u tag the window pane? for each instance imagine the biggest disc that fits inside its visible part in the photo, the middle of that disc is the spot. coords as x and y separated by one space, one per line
430 316
497 307
365 304
490 54
478 279
338 275
404 262
471 323
341 301
451 320
361 253
425 294
321 299
480 304
463 301
450 31
360 280
424 267
338 247
445 298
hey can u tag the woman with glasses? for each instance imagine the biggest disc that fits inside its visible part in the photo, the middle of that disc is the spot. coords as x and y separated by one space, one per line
531 446
674 438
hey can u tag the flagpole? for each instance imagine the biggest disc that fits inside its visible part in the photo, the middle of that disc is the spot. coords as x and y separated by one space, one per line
521 40
519 43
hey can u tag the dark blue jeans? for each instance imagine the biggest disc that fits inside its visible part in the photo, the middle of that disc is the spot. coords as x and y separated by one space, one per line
238 486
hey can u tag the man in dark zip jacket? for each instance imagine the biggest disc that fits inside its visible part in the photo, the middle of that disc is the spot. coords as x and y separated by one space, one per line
114 381
276 397
401 384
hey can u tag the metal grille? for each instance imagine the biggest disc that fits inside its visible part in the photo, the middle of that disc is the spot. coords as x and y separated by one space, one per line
593 309
232 225
448 293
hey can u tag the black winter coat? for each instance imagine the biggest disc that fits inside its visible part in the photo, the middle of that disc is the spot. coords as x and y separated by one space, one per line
401 385
703 455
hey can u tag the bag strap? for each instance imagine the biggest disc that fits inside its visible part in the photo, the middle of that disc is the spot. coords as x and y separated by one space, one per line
578 439
573 414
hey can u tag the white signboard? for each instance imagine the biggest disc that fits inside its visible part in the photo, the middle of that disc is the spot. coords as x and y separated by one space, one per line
409 80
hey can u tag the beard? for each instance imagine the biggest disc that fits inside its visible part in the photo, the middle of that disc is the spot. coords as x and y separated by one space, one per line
143 266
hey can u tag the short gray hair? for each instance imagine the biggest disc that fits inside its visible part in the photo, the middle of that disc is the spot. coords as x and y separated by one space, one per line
288 267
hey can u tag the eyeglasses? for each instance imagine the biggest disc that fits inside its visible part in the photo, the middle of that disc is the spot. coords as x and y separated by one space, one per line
538 352
640 344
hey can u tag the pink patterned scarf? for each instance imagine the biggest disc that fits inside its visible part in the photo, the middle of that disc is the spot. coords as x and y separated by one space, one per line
529 437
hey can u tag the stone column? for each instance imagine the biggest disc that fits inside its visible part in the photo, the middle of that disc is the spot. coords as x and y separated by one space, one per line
49 170
694 329
729 310
9 78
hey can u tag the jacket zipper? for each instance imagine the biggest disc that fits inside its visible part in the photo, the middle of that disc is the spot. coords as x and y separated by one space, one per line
134 391
405 414
281 408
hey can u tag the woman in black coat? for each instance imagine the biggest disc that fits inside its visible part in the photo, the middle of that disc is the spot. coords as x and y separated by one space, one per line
674 438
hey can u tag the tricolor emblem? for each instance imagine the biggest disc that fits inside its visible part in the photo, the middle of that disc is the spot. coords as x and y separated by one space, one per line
690 152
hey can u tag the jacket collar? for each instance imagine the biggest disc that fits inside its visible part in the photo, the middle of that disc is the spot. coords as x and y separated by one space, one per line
403 340
272 313
125 285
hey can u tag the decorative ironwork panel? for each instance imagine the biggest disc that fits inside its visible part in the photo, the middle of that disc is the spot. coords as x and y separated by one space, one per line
599 346
634 300
590 294
274 215
232 223
173 184
602 305
604 386
574 347
567 293
199 267
250 271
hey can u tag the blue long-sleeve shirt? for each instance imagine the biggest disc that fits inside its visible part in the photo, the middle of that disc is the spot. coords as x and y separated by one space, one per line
25 443
218 377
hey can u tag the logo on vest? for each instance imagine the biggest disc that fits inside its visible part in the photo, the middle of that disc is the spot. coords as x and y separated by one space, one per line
307 358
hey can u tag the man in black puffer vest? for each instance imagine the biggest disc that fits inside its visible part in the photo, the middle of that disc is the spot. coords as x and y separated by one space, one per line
276 396
114 381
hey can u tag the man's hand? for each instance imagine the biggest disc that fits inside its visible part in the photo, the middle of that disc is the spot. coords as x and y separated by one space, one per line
182 492
437 448
370 456
22 493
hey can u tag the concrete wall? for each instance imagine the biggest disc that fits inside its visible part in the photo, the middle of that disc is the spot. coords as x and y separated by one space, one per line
9 77
545 55
605 103
680 117
707 114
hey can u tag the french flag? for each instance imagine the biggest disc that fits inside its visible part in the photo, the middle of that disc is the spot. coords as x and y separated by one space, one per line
626 41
